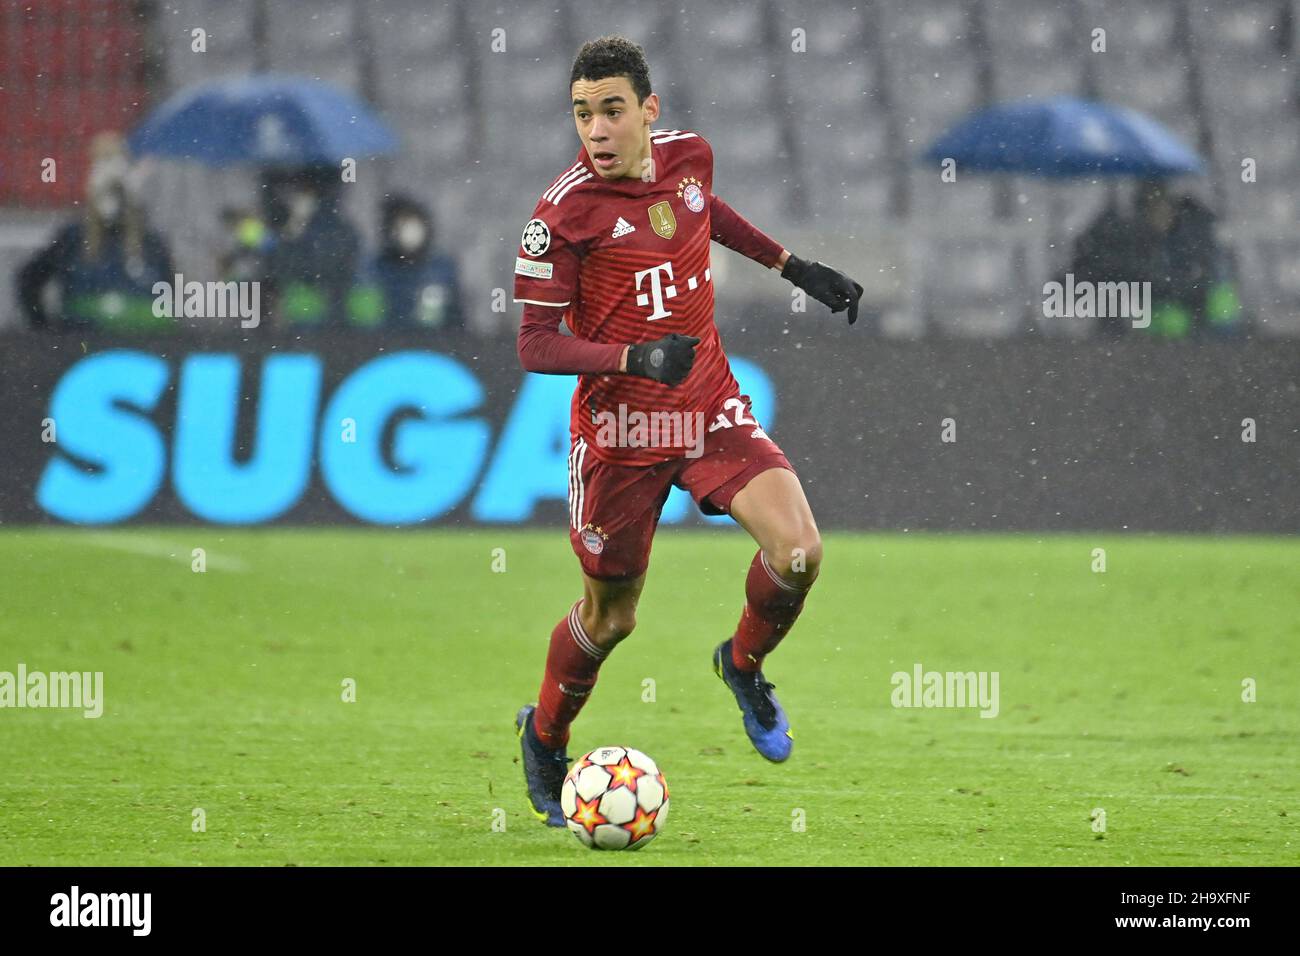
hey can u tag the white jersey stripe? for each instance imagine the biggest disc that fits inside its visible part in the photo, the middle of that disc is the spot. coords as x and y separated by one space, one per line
559 181
554 305
573 496
563 176
553 194
672 139
582 491
566 189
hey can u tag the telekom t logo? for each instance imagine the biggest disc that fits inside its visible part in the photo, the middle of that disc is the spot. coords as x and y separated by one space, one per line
658 291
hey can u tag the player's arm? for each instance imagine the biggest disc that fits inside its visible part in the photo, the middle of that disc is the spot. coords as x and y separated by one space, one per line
546 280
542 348
545 283
826 285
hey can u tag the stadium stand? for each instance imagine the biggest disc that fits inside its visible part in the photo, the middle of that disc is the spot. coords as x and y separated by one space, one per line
816 116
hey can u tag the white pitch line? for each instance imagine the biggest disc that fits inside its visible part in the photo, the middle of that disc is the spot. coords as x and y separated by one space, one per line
158 548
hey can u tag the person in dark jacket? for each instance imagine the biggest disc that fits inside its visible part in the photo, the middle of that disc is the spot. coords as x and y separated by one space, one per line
1168 241
100 269
408 284
313 254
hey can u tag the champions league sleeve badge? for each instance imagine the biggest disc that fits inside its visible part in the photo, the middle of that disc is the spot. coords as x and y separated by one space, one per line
536 238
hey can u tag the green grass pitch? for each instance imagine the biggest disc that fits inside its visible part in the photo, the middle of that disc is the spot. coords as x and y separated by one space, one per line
1120 691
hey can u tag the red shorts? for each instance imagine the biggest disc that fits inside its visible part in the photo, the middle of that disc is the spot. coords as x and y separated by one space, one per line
614 509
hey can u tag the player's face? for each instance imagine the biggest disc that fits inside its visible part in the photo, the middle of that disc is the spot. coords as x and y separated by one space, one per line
614 130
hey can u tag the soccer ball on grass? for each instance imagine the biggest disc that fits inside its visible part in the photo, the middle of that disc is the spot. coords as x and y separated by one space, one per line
615 798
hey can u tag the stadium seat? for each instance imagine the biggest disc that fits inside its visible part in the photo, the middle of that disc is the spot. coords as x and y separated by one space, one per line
402 29
531 28
228 23
1032 30
640 22
974 286
1263 89
1269 270
1269 206
1148 29
929 98
749 147
1029 74
1157 87
963 205
1244 29
848 203
421 86
1276 151
937 27
341 72
732 26
819 89
831 29
310 30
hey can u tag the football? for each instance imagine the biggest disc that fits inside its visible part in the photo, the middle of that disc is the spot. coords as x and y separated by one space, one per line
615 798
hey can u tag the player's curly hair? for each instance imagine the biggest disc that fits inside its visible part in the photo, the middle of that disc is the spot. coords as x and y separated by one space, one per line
613 56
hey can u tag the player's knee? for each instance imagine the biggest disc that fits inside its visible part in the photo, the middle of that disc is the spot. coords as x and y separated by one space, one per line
799 556
622 622
611 624
814 552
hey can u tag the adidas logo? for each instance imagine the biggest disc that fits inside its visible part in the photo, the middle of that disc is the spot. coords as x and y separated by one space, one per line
622 228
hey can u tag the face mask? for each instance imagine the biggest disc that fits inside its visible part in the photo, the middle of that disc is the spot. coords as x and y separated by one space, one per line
409 235
108 205
302 204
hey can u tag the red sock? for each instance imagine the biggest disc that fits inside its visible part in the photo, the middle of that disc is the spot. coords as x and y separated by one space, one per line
571 667
771 607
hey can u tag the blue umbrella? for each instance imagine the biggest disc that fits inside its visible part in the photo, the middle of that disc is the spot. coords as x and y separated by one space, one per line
1064 137
265 119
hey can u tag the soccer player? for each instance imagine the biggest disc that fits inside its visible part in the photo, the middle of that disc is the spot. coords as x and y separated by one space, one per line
618 247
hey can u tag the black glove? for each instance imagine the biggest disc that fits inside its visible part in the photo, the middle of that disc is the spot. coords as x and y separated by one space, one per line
666 360
824 284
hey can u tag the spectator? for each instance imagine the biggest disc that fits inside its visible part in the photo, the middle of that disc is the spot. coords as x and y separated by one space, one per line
101 268
1103 251
408 284
246 244
1205 284
312 258
1169 241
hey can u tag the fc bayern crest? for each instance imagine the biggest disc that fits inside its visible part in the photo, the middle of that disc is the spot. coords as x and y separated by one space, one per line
689 190
536 238
593 539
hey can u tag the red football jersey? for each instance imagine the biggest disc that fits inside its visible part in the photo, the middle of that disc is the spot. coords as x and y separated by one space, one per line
629 261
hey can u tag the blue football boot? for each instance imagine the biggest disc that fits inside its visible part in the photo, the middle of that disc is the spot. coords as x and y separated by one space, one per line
765 721
544 770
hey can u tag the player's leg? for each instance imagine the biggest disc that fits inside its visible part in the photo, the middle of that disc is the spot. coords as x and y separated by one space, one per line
743 473
580 642
613 514
772 507
608 609
579 645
